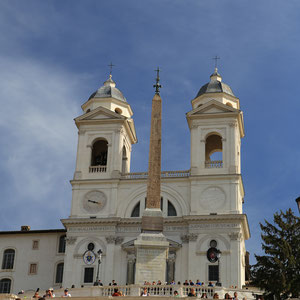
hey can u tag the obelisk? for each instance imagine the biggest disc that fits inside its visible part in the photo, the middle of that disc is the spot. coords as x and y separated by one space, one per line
151 245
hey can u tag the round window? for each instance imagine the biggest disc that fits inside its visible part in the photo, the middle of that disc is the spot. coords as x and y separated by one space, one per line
213 244
91 246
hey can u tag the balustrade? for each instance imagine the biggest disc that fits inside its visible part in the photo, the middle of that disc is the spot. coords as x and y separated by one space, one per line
154 290
214 164
97 169
164 174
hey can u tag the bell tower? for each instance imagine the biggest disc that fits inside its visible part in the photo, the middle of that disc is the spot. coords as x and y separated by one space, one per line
106 133
217 127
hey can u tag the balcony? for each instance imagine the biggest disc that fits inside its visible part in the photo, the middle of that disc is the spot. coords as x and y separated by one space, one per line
213 164
97 169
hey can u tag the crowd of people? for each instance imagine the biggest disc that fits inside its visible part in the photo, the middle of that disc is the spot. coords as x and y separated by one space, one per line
49 294
186 282
191 291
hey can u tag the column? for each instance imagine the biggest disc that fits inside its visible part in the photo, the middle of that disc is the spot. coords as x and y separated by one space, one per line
232 163
184 258
236 263
171 267
194 154
130 268
69 274
192 261
109 264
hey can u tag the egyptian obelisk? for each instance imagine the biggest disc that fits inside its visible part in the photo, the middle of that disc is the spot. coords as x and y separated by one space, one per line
151 245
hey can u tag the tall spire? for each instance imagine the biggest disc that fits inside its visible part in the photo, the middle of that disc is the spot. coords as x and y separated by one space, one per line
152 219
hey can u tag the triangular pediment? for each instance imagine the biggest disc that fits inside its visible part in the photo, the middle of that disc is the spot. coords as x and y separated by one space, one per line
100 113
213 107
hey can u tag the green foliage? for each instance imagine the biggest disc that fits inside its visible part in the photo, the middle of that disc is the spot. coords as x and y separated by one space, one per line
278 271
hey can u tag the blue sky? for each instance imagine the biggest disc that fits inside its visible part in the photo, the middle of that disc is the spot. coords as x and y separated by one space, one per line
54 54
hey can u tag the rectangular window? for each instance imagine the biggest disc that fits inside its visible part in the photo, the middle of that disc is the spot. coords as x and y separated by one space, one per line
88 275
62 244
213 273
5 286
8 259
59 273
33 269
35 245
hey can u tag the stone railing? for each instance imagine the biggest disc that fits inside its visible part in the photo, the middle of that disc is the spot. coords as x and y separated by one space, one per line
214 164
97 169
164 174
153 290
135 290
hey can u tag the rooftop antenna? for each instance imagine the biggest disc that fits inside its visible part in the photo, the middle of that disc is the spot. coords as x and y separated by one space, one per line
157 85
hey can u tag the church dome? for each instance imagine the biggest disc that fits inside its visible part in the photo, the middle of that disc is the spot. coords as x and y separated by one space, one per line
108 90
215 85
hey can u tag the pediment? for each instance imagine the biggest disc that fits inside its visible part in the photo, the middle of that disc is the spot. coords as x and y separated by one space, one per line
100 113
213 107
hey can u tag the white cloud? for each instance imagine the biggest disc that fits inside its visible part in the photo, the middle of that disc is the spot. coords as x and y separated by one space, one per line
39 138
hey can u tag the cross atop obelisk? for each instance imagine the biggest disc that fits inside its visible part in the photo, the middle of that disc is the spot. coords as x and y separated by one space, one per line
152 219
157 85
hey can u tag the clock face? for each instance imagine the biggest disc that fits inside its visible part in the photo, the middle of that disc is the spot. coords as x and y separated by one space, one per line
89 257
94 201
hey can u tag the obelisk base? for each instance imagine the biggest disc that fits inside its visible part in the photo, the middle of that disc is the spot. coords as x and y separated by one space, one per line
151 257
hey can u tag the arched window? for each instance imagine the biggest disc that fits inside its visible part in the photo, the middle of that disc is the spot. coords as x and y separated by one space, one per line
62 244
171 210
99 153
136 211
8 259
124 160
59 273
5 285
213 151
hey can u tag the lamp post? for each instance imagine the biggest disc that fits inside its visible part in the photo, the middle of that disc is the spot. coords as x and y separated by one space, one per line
99 252
298 203
219 256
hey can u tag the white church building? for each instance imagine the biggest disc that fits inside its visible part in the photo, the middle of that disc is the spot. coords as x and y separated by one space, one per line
202 206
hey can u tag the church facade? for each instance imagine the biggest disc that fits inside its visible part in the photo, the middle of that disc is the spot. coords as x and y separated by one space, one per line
202 207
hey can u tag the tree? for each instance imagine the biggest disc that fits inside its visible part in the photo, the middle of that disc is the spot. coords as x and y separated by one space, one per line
278 271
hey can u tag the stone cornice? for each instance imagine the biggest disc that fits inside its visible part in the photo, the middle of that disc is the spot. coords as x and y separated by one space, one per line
238 114
111 99
163 179
129 126
216 95
185 221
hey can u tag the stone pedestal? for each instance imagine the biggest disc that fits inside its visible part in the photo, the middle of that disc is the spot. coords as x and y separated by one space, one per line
151 257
